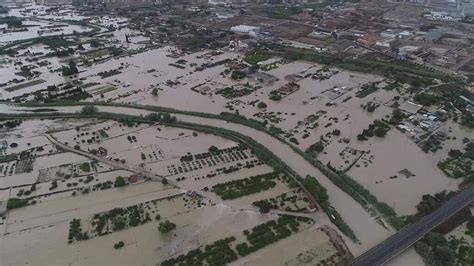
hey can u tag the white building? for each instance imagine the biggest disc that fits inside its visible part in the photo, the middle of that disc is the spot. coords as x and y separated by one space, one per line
220 15
395 33
244 29
389 34
387 43
404 34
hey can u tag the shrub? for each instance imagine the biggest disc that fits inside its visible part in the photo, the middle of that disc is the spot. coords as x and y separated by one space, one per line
119 244
89 110
294 140
275 97
13 203
166 226
262 105
361 137
54 185
237 74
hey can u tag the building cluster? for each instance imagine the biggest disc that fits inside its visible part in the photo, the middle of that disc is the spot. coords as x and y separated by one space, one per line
435 38
451 8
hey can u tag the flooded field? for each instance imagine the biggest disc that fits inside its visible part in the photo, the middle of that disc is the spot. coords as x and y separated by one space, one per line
293 114
296 114
37 28
149 192
59 192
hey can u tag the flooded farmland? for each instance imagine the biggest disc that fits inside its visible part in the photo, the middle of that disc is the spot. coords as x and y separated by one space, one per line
168 136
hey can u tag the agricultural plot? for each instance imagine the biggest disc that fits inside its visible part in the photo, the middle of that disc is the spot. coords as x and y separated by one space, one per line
118 219
229 249
348 158
17 163
250 185
293 201
66 171
236 156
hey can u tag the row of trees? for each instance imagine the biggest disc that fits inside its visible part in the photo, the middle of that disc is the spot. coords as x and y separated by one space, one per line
11 21
75 231
270 232
14 203
242 187
11 123
217 253
315 148
316 189
377 128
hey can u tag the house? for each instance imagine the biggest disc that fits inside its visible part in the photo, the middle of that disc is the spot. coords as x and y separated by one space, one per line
265 77
192 194
245 29
133 178
387 43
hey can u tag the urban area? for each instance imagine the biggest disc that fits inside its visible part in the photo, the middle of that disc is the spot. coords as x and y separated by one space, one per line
237 132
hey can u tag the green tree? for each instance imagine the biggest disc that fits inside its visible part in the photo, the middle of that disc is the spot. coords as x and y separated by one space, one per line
213 149
425 252
262 105
119 182
426 99
444 255
166 226
119 244
315 148
380 132
118 223
397 116
264 206
69 70
89 110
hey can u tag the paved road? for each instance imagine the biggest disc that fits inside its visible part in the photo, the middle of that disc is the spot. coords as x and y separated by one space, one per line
406 237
